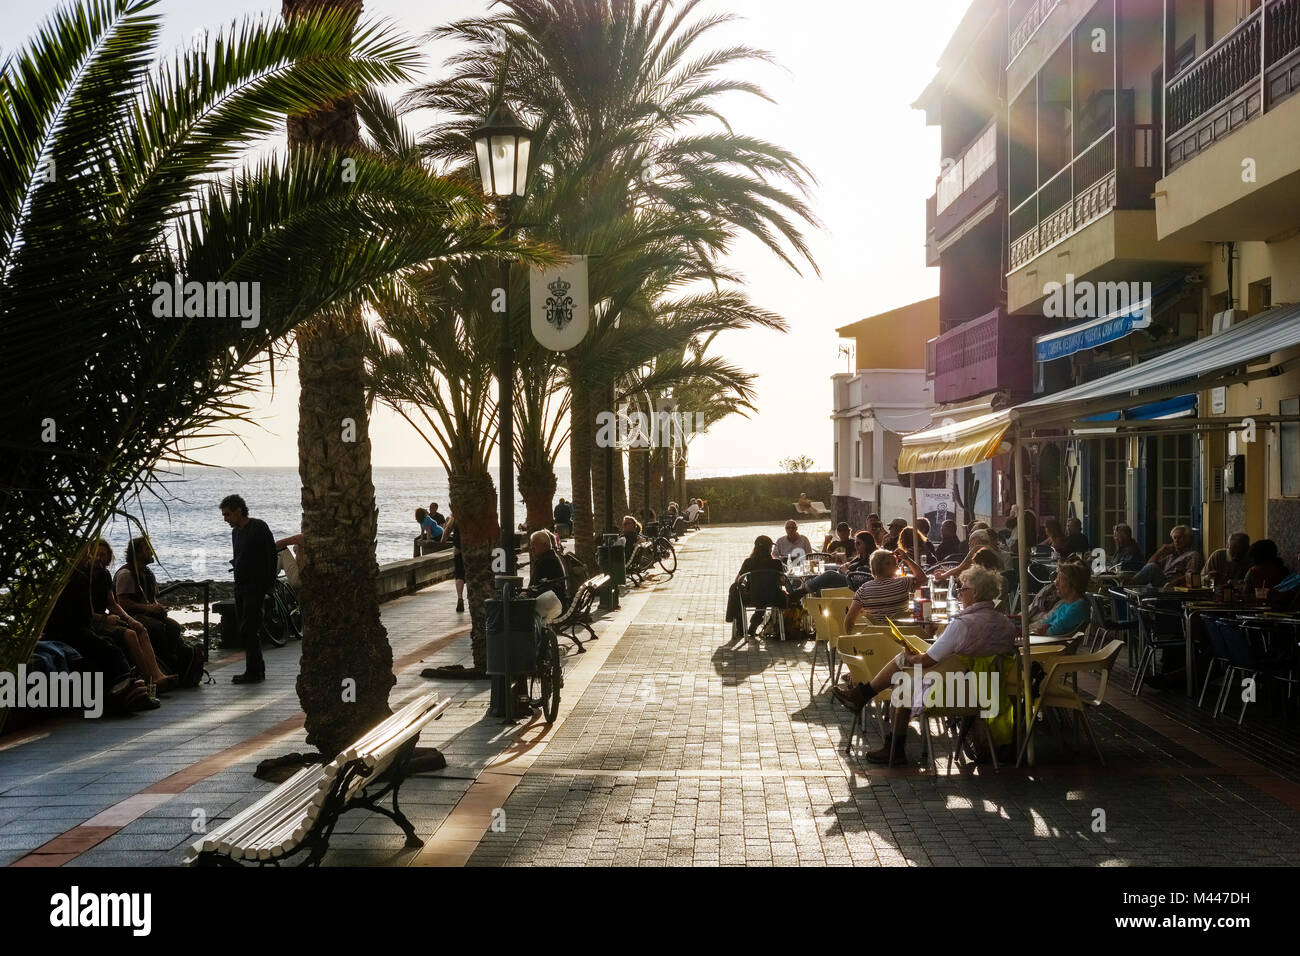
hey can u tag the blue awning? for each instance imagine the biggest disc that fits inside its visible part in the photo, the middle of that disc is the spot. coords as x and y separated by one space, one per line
1169 408
1098 332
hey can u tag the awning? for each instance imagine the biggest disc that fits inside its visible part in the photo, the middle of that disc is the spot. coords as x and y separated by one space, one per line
1206 363
1163 381
1136 314
953 444
1179 407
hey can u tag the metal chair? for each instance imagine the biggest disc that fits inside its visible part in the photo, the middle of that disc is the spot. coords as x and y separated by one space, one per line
763 591
1104 623
1159 630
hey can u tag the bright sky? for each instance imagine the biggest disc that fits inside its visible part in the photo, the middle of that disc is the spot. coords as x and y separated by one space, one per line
848 72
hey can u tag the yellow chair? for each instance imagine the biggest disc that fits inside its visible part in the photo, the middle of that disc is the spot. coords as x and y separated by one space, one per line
837 592
864 652
1056 692
828 621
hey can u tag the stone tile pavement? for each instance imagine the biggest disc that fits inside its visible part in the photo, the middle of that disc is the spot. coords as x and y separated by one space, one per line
673 747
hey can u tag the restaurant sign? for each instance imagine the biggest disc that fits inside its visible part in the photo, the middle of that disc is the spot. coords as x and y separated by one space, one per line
1092 334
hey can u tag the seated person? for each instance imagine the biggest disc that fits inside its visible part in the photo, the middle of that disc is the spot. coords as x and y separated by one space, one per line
792 545
1171 562
437 515
1070 612
978 630
124 630
887 594
853 573
430 530
631 537
907 536
980 539
693 510
1076 542
1266 567
298 543
949 546
1054 536
74 622
1127 556
988 558
892 532
546 572
760 559
841 541
1228 565
136 589
876 527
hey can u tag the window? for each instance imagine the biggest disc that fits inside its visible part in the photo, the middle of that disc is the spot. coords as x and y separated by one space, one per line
857 459
1113 465
1290 457
836 458
1175 467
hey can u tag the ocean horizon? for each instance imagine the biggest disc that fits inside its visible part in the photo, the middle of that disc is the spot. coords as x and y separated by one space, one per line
193 542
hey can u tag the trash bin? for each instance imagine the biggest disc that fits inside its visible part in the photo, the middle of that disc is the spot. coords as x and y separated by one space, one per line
514 652
610 558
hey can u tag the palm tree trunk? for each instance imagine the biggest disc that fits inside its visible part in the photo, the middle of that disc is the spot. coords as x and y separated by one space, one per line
620 487
474 503
537 488
346 669
580 441
637 462
345 647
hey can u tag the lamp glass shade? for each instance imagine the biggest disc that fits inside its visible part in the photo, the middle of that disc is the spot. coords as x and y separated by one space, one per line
484 166
503 164
521 164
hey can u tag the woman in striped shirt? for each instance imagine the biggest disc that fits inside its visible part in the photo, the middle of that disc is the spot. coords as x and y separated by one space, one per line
886 594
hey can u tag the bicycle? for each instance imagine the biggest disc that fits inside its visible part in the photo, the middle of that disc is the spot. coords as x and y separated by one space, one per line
649 552
547 675
281 614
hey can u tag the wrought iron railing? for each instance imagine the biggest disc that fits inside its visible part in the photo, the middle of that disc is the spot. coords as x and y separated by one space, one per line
1024 30
1217 74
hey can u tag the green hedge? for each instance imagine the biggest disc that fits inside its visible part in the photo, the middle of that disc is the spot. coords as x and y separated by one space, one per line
759 497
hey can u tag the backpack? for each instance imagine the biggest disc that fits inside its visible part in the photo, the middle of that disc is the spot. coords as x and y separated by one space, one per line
188 661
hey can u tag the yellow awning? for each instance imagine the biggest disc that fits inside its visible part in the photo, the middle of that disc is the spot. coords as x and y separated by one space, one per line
952 444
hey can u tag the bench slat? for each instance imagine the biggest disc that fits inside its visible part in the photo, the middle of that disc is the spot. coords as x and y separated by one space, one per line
305 780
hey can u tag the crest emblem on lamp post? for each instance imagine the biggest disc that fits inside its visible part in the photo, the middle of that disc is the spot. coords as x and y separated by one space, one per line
560 311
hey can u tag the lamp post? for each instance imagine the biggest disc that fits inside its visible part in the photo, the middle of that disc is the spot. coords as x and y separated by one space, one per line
503 146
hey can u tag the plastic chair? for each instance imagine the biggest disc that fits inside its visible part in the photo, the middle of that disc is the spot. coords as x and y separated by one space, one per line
863 653
763 591
828 622
837 592
1056 693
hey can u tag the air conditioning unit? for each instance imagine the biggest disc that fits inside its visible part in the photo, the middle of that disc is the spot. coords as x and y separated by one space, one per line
1224 320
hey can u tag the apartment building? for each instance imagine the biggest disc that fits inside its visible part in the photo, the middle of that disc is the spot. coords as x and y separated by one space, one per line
886 396
1149 184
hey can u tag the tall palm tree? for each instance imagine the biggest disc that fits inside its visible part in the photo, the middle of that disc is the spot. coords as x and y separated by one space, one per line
116 175
629 125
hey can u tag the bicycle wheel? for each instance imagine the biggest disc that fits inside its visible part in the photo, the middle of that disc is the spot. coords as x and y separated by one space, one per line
550 674
290 610
667 555
273 621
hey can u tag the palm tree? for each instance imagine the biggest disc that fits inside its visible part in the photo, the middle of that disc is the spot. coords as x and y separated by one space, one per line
432 361
116 178
619 96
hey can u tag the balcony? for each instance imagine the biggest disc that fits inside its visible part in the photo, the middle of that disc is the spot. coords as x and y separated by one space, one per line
994 351
1023 31
1117 171
969 185
931 246
1222 89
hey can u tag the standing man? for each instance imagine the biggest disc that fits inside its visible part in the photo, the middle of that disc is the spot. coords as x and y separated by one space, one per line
255 571
563 518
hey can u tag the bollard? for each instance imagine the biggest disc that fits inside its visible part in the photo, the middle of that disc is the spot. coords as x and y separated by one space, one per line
509 630
610 558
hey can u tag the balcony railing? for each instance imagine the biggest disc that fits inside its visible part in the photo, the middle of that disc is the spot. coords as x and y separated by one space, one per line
1115 171
968 184
982 355
1024 30
1222 89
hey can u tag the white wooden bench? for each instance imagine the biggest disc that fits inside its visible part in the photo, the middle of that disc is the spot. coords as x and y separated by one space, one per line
302 812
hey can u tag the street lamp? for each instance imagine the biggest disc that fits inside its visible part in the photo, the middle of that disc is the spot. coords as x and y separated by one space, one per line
503 146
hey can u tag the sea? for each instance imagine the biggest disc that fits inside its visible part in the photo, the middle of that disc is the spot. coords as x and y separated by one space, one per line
181 516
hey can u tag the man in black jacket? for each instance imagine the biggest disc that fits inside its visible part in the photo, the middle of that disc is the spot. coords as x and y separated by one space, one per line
255 572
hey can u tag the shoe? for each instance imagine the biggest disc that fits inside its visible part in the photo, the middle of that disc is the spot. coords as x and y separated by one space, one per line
881 756
851 697
167 683
249 677
460 607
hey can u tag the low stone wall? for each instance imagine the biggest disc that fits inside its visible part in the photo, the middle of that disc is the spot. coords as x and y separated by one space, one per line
407 577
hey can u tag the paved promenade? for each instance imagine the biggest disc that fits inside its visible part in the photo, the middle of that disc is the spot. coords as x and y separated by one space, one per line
672 747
